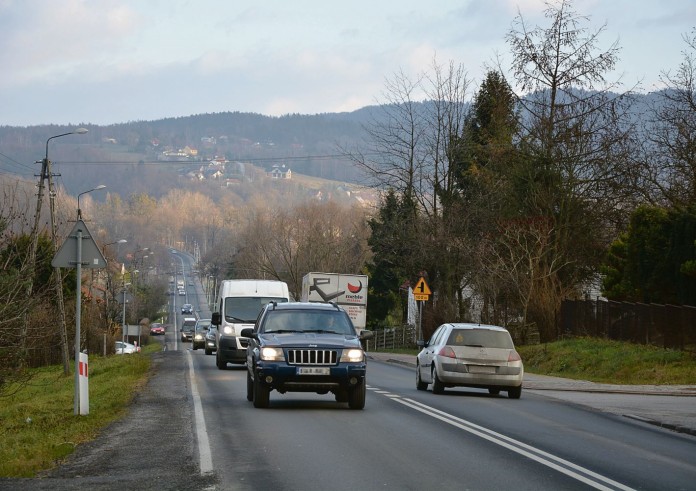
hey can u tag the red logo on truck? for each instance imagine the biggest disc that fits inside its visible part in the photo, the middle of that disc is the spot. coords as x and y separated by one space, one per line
355 289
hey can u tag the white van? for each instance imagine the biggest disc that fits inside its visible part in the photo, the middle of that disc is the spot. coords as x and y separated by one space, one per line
238 305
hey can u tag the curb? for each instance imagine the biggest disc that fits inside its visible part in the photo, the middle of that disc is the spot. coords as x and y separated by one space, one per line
587 387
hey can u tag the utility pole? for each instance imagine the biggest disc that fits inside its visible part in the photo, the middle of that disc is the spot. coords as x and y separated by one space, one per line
64 350
46 174
32 254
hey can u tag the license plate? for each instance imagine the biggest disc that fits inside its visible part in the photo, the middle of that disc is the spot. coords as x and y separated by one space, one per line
481 369
313 371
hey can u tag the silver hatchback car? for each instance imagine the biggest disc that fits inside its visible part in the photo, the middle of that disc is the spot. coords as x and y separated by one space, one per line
470 355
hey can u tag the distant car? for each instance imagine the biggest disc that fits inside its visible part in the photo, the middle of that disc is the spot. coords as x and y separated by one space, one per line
182 292
157 329
125 348
187 328
470 355
187 308
211 340
199 333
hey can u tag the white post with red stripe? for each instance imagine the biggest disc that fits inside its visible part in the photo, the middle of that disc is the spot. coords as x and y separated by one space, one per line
84 384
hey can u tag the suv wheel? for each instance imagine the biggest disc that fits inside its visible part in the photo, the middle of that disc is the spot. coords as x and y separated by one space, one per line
341 395
261 394
250 387
356 396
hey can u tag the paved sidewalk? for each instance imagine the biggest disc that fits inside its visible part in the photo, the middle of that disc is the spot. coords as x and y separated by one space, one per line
668 406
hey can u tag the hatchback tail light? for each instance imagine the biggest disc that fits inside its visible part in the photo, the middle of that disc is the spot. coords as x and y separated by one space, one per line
447 352
514 356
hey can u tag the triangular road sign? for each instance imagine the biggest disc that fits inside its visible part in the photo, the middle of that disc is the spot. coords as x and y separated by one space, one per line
66 257
421 287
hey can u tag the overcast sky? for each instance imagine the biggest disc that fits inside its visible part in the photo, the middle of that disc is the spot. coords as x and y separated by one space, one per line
113 61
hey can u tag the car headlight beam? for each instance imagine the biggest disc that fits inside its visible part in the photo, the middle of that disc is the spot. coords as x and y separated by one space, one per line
272 354
353 356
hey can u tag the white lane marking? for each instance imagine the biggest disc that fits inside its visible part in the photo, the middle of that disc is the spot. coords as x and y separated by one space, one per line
590 478
204 453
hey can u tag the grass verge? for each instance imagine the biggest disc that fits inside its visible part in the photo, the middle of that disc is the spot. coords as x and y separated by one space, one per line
611 362
37 425
605 361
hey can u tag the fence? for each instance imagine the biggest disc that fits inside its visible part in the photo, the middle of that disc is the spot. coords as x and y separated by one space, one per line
668 326
393 338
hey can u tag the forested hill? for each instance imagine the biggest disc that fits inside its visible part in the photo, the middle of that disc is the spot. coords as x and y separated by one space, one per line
153 156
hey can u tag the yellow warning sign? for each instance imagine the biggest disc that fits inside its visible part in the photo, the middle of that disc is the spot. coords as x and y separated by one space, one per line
421 288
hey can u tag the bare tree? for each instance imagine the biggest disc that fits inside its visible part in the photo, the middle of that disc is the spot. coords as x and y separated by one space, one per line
669 136
285 244
572 139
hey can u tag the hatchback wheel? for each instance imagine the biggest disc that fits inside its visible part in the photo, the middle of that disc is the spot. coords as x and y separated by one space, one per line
515 392
420 385
438 386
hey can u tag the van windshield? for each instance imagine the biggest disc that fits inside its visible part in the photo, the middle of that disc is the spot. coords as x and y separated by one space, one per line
246 309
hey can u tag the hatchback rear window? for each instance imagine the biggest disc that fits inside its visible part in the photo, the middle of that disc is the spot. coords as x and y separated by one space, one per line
481 338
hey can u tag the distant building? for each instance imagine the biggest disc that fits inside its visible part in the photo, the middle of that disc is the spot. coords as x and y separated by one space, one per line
280 172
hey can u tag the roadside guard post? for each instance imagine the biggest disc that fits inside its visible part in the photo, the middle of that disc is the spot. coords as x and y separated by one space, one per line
84 384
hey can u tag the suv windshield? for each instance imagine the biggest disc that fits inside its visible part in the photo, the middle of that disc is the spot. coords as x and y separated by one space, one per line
246 309
307 321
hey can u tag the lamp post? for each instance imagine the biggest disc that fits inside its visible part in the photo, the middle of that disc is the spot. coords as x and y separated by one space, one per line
46 175
118 246
79 211
108 278
78 302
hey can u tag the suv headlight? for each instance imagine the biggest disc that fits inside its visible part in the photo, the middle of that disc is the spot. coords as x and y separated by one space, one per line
272 354
353 356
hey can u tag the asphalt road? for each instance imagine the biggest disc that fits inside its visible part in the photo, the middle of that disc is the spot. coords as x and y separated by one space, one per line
192 428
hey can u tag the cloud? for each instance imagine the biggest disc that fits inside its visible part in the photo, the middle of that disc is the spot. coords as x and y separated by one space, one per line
46 39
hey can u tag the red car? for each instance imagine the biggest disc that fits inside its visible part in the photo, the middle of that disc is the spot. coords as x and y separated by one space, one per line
157 329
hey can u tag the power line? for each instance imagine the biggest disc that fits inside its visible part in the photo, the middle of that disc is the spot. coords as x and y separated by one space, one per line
204 162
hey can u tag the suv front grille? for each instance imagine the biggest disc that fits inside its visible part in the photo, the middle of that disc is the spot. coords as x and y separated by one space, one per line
312 357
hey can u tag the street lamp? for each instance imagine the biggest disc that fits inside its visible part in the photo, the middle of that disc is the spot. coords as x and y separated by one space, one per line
79 131
119 242
79 211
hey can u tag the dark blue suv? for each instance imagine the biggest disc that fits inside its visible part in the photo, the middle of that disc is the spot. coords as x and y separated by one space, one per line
305 347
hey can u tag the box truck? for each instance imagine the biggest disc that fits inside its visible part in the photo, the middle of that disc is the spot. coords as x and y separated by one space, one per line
347 290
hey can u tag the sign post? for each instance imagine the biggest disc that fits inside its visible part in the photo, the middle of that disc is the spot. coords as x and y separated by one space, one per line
76 254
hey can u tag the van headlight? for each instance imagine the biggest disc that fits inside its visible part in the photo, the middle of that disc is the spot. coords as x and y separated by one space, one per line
272 354
353 356
229 330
